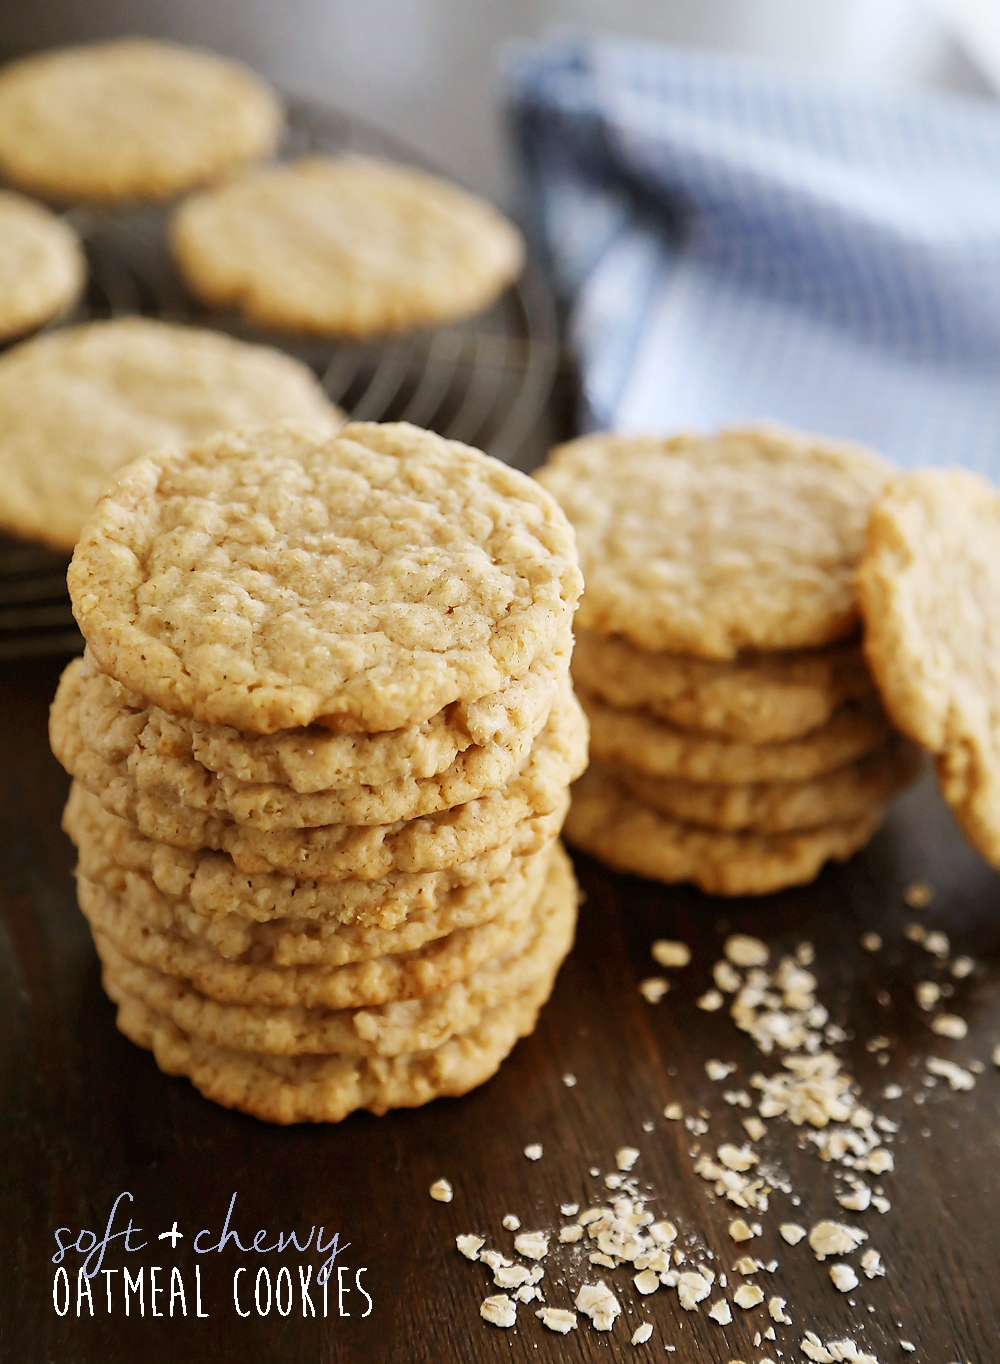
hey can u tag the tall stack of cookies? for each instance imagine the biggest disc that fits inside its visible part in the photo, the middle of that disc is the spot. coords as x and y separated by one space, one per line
321 742
738 738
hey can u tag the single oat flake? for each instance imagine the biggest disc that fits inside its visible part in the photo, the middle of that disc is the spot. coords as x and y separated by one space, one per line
668 953
532 1244
511 1222
843 1277
626 1157
470 1246
721 1312
498 1310
834 1238
534 1150
710 1001
557 1319
745 951
441 1191
653 988
748 1295
792 1232
642 1333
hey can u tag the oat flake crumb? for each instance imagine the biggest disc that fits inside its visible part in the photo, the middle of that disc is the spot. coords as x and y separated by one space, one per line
710 1001
776 1311
625 1157
470 1246
937 944
534 1245
692 1288
837 1352
721 1312
441 1191
674 1112
742 950
498 1310
718 1070
534 1150
740 1230
844 1278
834 1238
958 1079
894 1091
653 988
950 1025
557 1319
512 1221
569 1209
871 1263
754 1128
962 967
908 1346
569 1081
569 1235
598 1303
748 1295
792 1232
647 1281
668 953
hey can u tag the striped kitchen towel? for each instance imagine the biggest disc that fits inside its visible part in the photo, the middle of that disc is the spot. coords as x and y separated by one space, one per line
736 242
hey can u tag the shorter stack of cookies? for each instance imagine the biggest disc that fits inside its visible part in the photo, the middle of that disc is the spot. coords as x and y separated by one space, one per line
321 742
738 738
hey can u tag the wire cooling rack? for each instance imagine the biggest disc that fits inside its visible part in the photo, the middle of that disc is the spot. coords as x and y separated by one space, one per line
485 381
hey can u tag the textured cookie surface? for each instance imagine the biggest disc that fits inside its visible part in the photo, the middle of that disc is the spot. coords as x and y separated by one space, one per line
161 753
630 836
287 1089
706 546
131 119
42 268
78 404
229 901
273 578
759 698
930 593
835 797
534 798
348 246
390 1029
640 740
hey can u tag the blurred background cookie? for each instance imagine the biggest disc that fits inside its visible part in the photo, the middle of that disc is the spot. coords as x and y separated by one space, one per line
42 269
130 119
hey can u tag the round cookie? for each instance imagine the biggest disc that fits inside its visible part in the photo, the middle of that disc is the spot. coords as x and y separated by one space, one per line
308 941
275 578
78 404
348 247
393 1029
535 798
706 546
929 586
758 698
210 885
287 1089
156 750
837 797
637 739
631 837
130 119
42 266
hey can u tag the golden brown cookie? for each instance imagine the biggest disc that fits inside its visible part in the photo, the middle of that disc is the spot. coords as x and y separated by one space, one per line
157 752
638 739
392 1029
707 546
210 885
758 698
836 797
345 247
78 404
42 266
275 578
929 585
535 797
130 119
631 837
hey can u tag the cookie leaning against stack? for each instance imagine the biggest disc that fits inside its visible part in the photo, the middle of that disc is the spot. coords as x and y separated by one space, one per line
321 742
738 736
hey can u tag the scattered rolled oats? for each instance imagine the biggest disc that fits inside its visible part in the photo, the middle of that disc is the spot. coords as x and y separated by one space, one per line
626 1157
737 1157
674 1112
950 1025
498 1310
692 1288
837 1352
871 942
871 1263
834 1238
745 951
470 1246
642 1333
844 1278
857 1199
718 1070
915 932
598 1303
754 1128
441 1191
569 1080
570 1234
663 1233
937 944
962 967
534 1150
958 1079
908 1346
511 1222
646 1281
721 1312
569 1209
927 994
892 1092
792 1232
710 1001
653 988
557 1319
726 977
669 953
534 1245
748 1295
740 1230
776 1311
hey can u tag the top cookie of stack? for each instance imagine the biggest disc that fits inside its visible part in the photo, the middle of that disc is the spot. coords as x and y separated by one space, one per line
739 738
321 740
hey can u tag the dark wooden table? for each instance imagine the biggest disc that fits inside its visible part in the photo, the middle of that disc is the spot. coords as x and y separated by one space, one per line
87 1116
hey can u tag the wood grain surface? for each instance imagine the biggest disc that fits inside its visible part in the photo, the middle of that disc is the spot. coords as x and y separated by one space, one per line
86 1116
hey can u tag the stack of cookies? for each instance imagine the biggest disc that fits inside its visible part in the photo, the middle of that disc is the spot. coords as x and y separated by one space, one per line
738 738
321 742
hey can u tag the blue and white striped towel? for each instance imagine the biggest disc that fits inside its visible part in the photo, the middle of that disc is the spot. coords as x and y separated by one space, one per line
738 242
